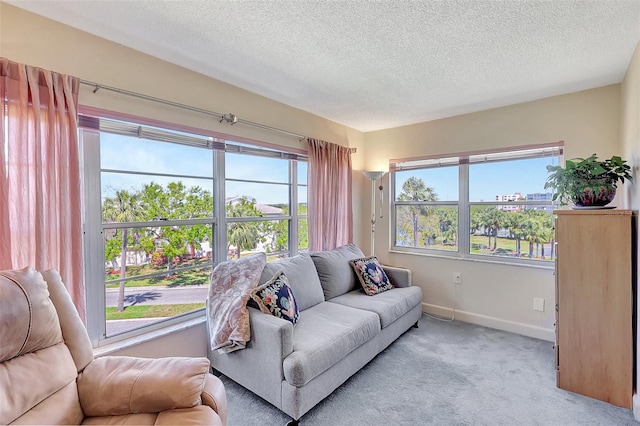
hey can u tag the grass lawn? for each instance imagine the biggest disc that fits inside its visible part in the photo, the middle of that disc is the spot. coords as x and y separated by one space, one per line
504 247
181 279
152 311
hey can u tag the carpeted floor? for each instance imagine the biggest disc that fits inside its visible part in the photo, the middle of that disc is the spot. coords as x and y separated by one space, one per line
445 374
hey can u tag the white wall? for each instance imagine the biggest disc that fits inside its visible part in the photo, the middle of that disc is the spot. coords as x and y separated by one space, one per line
496 295
630 136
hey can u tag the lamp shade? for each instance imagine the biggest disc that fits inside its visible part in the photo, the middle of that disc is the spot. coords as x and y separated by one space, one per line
373 175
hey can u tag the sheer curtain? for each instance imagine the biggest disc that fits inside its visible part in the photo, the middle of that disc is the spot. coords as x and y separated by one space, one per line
330 212
40 200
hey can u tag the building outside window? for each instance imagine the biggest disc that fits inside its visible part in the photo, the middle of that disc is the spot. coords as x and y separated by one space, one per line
486 205
163 207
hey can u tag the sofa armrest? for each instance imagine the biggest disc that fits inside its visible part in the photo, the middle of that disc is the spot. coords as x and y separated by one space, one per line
399 277
258 367
115 385
269 329
215 397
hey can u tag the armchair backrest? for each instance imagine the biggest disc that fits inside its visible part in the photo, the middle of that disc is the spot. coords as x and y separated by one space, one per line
37 369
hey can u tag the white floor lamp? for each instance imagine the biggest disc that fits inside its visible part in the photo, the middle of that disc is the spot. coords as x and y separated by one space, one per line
374 176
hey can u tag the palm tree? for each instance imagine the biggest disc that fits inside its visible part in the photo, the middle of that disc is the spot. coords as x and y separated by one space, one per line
414 189
243 235
532 230
515 223
122 207
493 219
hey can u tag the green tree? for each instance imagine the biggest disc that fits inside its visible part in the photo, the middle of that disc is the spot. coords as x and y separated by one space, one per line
177 202
543 230
124 206
493 220
414 189
448 224
112 249
303 228
532 230
515 224
243 235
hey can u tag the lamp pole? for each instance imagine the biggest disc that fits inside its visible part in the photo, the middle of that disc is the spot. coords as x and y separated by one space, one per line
375 175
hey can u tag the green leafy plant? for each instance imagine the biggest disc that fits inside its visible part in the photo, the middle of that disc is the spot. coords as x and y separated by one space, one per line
589 176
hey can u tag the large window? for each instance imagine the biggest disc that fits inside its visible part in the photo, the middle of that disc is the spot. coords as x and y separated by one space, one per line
164 207
489 204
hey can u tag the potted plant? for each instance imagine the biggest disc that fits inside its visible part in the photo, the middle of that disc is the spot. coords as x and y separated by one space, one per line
587 182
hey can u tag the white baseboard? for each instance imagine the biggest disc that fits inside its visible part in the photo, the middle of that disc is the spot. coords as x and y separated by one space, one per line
636 406
492 322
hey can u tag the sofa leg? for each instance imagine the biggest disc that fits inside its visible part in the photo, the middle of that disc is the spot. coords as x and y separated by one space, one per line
293 422
415 325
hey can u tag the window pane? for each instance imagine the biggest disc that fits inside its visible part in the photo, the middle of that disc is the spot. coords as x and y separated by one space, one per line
165 270
302 172
433 227
302 200
510 180
136 154
303 234
521 231
436 184
268 199
251 167
146 198
150 250
154 299
249 237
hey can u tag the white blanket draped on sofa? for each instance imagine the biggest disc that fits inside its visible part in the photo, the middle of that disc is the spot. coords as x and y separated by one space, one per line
230 286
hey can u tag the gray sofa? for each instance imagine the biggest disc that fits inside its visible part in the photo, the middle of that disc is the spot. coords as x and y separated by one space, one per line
339 330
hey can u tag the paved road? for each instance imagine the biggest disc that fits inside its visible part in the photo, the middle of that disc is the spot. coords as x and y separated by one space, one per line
158 295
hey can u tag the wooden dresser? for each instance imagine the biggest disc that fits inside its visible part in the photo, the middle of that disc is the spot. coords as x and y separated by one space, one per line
595 293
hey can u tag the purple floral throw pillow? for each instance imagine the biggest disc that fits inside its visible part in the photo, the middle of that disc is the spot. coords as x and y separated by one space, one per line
371 275
276 298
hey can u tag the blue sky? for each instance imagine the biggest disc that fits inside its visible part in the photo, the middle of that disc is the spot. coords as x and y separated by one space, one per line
135 154
486 180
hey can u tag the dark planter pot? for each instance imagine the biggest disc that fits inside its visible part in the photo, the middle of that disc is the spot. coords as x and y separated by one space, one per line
595 194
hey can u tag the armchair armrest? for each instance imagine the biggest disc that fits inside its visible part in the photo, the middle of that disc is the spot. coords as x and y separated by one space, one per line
215 397
115 385
399 277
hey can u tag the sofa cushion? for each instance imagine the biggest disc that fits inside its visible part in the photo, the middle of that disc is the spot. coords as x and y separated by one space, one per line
335 272
325 334
302 276
371 275
389 305
275 297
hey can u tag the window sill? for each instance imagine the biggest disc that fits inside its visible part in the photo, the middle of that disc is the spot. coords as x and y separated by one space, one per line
110 348
477 258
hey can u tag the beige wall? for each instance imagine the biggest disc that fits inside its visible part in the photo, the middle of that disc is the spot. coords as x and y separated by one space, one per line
34 40
630 136
493 294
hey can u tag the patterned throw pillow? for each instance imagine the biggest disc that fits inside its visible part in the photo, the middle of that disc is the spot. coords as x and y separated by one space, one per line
275 297
371 275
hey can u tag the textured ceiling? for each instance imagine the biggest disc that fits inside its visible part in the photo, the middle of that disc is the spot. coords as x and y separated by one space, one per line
376 64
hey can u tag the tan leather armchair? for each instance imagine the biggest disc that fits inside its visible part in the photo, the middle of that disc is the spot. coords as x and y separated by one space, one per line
48 374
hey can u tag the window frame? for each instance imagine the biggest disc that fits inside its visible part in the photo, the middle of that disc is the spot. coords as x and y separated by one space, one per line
89 141
464 205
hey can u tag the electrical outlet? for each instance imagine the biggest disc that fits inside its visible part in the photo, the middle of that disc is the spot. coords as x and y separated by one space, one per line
538 304
457 278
